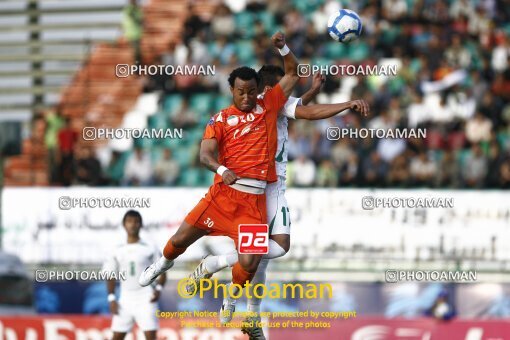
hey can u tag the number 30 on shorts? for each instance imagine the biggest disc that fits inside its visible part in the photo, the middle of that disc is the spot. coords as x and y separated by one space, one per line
209 223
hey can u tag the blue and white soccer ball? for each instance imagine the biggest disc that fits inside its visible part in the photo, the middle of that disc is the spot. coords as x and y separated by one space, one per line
344 26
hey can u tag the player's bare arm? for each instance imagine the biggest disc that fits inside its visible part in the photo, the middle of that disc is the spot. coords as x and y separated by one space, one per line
208 158
289 81
160 283
317 82
114 307
323 111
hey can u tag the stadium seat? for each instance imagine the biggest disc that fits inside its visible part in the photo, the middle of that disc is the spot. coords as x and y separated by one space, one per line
221 102
201 102
245 51
358 51
172 102
268 21
207 178
158 121
244 24
307 7
182 155
145 143
334 50
190 177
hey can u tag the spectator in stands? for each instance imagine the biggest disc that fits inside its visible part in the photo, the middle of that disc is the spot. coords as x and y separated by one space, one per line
87 168
504 175
223 24
327 175
447 172
138 169
423 170
298 144
166 170
341 153
349 172
475 167
478 128
132 25
184 117
193 24
54 123
495 160
457 55
303 174
374 170
115 169
399 175
389 148
67 138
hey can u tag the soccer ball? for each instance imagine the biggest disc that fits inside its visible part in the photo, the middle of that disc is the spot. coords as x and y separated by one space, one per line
344 26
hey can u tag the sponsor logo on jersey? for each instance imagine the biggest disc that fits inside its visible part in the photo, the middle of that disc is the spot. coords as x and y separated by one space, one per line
233 120
244 131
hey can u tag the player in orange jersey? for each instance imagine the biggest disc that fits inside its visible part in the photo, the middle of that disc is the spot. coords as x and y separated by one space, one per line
244 138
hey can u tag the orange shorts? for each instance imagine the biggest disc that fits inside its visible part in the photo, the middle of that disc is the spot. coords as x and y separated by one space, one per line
223 209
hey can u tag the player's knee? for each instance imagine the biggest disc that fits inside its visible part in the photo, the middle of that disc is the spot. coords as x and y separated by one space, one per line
249 263
285 246
282 242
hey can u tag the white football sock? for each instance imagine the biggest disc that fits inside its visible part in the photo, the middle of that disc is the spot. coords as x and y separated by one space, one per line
216 263
259 278
275 250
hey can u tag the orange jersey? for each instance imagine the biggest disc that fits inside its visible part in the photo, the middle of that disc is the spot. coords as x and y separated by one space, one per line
247 140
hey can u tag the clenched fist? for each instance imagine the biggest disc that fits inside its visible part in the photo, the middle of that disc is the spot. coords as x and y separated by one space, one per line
278 39
229 177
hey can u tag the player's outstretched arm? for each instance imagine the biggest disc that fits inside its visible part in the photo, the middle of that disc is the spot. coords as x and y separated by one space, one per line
208 152
308 96
290 63
323 111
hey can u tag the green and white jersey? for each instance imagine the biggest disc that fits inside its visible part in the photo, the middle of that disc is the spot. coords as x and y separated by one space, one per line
132 259
288 111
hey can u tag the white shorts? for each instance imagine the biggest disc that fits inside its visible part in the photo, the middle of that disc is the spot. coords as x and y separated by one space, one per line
278 214
131 311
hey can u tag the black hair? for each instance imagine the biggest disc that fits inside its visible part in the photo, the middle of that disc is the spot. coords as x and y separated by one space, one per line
244 73
132 213
269 75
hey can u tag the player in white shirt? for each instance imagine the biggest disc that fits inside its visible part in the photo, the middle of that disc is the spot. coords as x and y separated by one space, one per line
278 213
136 303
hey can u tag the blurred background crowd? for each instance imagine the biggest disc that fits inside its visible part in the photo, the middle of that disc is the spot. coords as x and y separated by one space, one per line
453 81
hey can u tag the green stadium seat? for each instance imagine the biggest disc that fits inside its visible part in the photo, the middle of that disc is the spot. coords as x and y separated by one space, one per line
461 157
207 178
268 21
172 102
190 177
244 22
222 102
158 121
201 103
358 51
307 7
183 156
245 51
334 50
144 143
